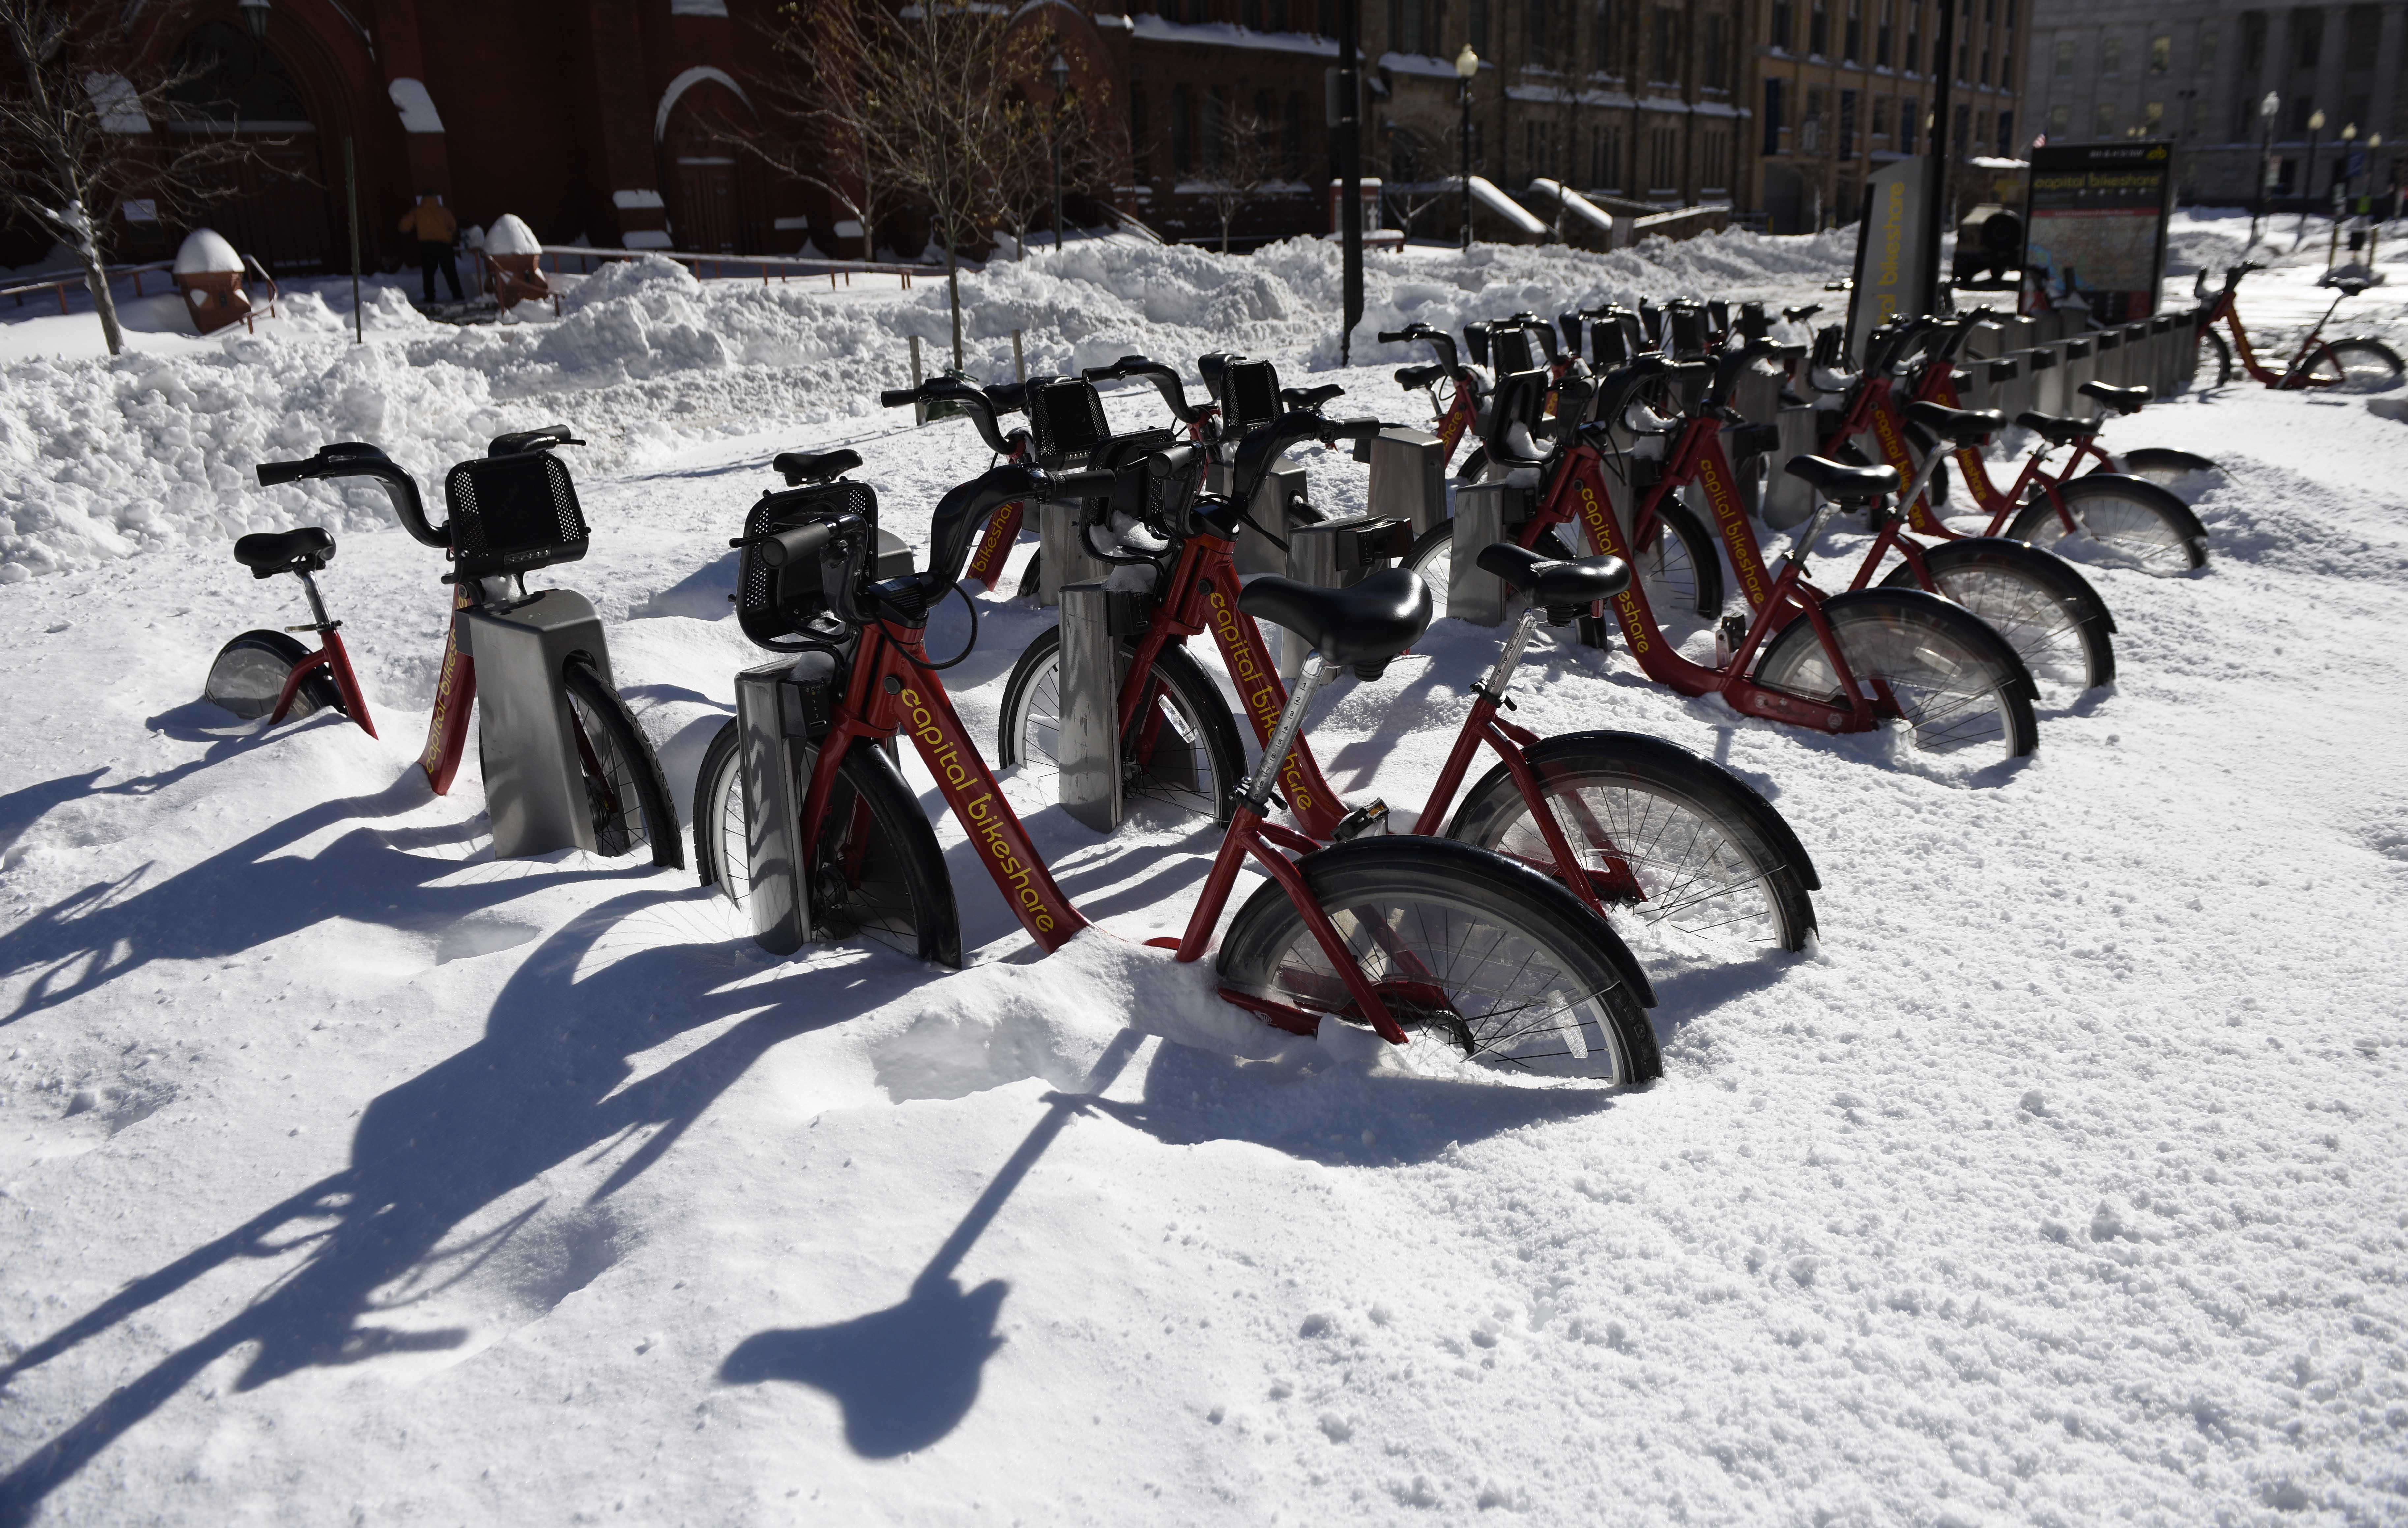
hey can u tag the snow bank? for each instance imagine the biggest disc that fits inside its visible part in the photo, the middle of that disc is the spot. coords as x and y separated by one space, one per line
107 458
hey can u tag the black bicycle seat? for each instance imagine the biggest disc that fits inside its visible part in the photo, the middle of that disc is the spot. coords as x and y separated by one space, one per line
2057 428
1800 315
1412 377
2349 286
1962 426
799 467
1841 483
1555 582
1364 624
1309 397
2124 400
271 552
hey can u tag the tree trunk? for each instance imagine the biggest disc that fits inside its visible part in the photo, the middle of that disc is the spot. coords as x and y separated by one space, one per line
96 279
953 290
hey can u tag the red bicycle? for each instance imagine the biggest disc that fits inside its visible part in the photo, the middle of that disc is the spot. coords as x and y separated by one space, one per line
2356 363
267 673
1634 825
1398 934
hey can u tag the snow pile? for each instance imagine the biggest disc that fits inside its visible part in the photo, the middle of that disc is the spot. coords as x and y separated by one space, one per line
206 252
638 319
510 235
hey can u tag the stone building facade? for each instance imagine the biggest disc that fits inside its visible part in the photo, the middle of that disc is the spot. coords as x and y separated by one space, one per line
1841 87
2196 72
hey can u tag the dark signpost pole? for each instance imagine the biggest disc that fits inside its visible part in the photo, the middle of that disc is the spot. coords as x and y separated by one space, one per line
1935 169
1350 165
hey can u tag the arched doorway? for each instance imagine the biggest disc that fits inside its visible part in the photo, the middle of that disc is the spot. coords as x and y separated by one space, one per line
277 206
711 206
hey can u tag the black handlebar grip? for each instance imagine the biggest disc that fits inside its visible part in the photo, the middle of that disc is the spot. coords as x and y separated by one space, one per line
273 473
795 544
898 397
1393 336
1171 461
1092 484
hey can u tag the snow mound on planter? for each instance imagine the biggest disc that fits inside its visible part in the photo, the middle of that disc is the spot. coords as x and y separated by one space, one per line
510 235
637 319
206 252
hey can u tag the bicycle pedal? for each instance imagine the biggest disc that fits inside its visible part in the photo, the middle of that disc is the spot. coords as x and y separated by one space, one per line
1370 819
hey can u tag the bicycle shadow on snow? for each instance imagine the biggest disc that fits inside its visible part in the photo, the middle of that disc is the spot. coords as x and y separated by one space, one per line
906 1376
542 1086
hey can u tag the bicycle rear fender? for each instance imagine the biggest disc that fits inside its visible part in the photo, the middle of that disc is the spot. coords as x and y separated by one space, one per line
2061 574
2169 502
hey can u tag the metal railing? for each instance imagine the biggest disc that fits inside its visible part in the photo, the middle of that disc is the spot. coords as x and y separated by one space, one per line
58 286
728 267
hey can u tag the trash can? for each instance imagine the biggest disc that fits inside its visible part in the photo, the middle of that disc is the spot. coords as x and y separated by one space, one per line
209 274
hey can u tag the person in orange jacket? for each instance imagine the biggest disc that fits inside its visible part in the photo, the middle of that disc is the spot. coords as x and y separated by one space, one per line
435 228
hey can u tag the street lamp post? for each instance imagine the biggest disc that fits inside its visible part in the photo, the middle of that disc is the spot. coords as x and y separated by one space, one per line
1059 71
2339 197
1466 67
2266 110
2308 187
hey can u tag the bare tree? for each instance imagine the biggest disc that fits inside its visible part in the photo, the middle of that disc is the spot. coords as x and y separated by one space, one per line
78 115
1245 159
1024 161
819 123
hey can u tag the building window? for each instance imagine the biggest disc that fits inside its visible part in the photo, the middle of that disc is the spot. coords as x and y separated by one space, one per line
1960 129
2308 28
1667 59
2302 106
2103 119
1540 33
2161 54
1780 28
1910 117
1985 67
2252 43
1818 30
2110 56
2006 134
1914 59
1847 124
1772 123
1881 35
1182 150
1717 52
1810 129
1141 137
1600 36
2205 60
2153 120
1324 19
1476 21
1250 15
2060 121
1665 152
1852 38
1292 136
1881 117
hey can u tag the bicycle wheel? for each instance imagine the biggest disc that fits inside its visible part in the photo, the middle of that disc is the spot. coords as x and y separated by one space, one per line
1485 955
624 789
2218 358
2047 612
1678 566
876 872
1664 837
247 678
1192 766
2131 520
723 852
1433 557
1958 685
2353 366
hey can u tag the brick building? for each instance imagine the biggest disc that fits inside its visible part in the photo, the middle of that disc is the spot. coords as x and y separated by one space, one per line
1841 87
2196 72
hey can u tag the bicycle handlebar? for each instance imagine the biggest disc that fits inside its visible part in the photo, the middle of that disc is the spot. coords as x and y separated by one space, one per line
1437 340
1165 381
358 459
970 399
521 441
794 545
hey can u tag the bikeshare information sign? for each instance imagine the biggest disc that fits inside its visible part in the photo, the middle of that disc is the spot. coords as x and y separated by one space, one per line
1890 257
2095 228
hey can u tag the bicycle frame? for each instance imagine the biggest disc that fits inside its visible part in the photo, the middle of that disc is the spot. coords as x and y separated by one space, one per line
891 690
331 656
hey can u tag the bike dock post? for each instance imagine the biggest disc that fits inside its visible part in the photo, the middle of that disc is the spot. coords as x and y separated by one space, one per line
2081 365
1787 500
769 717
1474 595
1408 478
1282 486
1061 535
1088 706
535 785
2010 385
2048 377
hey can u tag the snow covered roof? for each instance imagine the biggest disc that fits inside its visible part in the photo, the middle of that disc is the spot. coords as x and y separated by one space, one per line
510 235
205 250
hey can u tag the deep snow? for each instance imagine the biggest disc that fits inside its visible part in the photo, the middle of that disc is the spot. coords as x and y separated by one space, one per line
347 1175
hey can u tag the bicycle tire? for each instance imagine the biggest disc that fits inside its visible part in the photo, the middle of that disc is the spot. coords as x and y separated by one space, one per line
1678 568
2046 611
2354 364
1197 764
1702 853
2140 522
247 679
2164 466
2221 349
1432 557
1961 686
1549 986
907 905
626 790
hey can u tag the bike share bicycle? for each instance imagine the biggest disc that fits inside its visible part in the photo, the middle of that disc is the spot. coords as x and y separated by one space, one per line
1402 935
2355 363
1636 826
565 764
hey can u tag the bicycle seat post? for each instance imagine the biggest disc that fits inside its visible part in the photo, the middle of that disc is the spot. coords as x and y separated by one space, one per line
323 623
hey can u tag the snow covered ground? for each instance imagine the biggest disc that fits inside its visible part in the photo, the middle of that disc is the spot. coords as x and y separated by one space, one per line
348 1175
